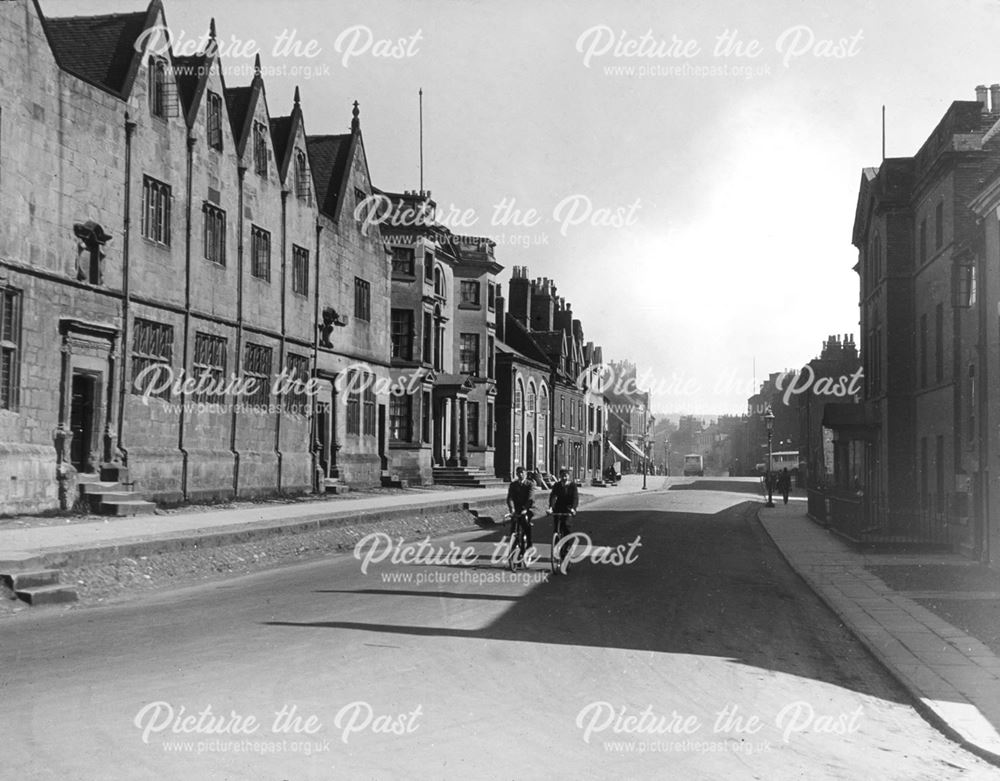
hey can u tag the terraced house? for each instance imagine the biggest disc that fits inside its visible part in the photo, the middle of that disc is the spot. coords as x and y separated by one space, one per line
550 417
159 223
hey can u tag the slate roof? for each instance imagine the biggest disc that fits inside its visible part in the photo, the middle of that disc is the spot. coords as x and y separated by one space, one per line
550 341
328 159
237 105
187 74
281 128
98 49
519 338
503 347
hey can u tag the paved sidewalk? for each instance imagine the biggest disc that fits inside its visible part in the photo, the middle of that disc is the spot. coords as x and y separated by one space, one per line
953 677
23 544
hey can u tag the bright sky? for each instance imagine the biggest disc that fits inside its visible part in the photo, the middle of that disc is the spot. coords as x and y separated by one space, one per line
737 189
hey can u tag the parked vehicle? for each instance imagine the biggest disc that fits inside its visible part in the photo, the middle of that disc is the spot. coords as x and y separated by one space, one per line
694 464
785 459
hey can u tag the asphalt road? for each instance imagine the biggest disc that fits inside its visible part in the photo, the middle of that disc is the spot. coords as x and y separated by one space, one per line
700 655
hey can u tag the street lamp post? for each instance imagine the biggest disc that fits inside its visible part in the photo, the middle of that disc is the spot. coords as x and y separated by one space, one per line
645 451
645 460
769 422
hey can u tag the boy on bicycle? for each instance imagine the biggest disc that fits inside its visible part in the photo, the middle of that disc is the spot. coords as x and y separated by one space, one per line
520 497
563 500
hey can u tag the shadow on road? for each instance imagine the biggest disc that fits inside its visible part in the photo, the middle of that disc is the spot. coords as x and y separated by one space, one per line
710 585
753 488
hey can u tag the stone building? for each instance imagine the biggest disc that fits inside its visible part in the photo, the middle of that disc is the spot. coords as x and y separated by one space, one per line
919 426
160 224
443 346
981 391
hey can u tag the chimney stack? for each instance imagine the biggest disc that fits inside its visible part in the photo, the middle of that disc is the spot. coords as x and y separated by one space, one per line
542 304
995 98
501 318
981 94
520 296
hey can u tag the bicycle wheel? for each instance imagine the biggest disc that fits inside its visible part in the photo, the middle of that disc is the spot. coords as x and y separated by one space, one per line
565 553
556 560
516 554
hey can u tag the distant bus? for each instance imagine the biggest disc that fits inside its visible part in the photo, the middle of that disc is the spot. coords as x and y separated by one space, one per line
786 459
694 464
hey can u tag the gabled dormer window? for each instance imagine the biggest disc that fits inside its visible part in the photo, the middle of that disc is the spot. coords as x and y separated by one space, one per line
215 121
162 93
302 190
260 148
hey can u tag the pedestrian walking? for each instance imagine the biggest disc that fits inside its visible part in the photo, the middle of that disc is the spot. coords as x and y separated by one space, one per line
785 484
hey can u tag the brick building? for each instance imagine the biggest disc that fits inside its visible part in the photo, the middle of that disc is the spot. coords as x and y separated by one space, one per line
785 432
596 406
524 420
156 217
549 321
827 380
629 418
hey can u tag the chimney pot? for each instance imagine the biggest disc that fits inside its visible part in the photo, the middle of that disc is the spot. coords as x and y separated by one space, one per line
995 98
981 94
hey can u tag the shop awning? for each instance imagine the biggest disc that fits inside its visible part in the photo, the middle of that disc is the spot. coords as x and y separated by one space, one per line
850 421
619 453
632 445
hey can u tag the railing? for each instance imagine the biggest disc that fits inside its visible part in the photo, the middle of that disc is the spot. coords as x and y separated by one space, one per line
851 516
817 505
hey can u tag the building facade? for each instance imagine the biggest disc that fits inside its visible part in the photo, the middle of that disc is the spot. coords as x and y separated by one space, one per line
833 377
549 323
161 226
444 294
923 345
523 423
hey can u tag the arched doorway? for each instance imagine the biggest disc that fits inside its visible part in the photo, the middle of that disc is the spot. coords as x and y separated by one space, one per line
529 452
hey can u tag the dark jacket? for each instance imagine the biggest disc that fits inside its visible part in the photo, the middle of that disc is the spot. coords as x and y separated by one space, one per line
520 496
564 498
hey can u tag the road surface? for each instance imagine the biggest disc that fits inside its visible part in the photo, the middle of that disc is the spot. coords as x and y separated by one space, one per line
682 647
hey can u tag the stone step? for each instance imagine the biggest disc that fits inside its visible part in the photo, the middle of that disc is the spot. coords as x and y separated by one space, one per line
332 486
469 482
96 486
114 472
17 581
99 499
47 595
124 507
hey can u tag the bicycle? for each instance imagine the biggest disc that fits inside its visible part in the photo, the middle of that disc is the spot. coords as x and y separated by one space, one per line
560 559
518 539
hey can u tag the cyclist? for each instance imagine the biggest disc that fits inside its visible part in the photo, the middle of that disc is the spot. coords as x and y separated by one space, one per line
520 497
563 501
